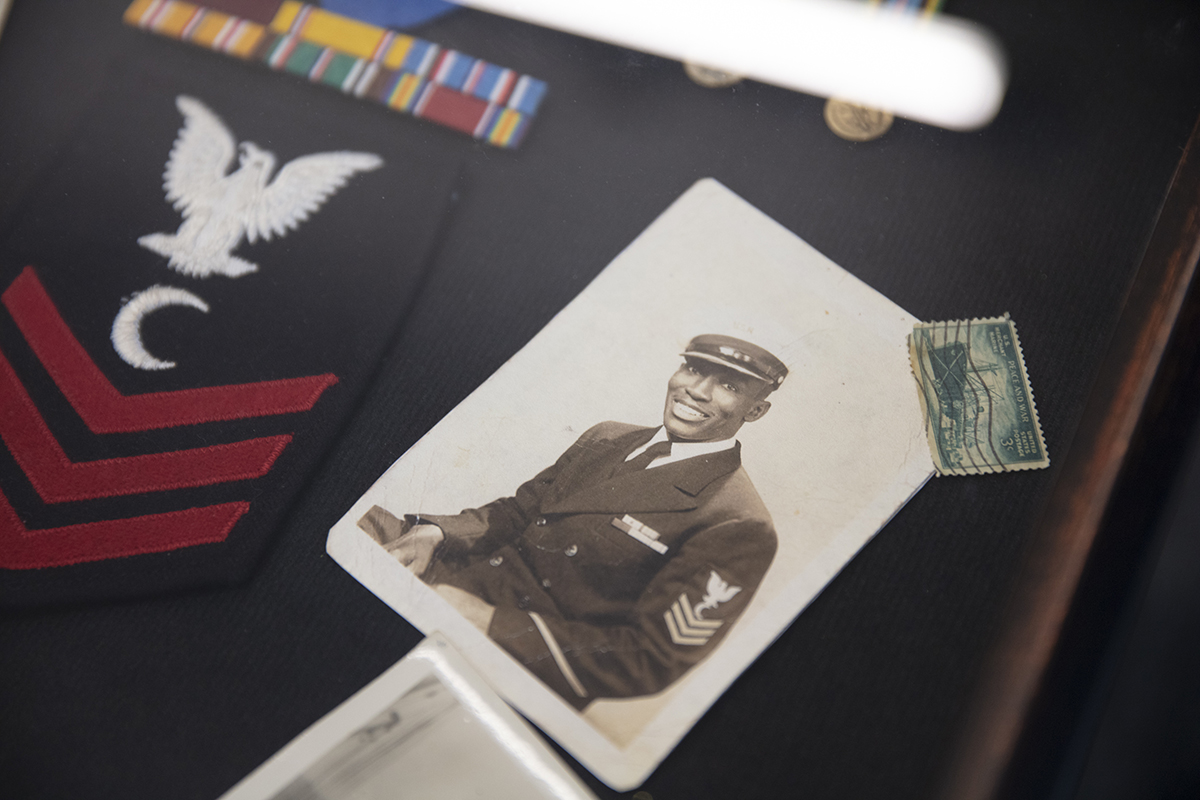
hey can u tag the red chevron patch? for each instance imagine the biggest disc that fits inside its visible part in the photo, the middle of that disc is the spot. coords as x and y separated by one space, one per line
57 479
106 410
21 548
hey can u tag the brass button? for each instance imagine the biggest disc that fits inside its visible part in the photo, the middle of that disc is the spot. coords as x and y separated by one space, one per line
496 561
540 521
572 550
545 583
523 602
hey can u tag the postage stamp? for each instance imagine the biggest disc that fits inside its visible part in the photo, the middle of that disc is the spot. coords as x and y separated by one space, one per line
980 415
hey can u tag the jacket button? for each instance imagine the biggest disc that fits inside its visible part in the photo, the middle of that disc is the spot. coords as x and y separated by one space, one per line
496 561
523 602
572 550
540 521
545 583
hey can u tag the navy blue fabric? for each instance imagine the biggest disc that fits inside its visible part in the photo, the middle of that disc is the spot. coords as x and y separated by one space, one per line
1043 214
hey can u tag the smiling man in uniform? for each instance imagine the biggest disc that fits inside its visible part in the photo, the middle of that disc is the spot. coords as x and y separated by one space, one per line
614 571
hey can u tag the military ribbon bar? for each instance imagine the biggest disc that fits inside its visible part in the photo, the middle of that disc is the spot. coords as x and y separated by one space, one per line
404 73
642 533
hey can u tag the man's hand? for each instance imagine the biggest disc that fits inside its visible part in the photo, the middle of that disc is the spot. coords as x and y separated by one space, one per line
477 612
415 549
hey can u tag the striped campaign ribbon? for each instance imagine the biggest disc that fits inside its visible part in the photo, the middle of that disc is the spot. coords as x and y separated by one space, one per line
404 73
926 7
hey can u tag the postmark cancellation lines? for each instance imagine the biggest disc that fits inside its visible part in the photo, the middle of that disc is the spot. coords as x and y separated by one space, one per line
980 415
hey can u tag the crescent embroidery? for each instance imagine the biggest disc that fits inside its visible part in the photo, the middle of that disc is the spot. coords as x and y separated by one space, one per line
127 327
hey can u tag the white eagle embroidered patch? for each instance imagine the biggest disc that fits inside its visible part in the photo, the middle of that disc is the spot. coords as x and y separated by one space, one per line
219 209
686 623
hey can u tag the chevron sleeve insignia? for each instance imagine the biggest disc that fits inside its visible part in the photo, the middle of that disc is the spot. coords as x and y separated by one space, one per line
21 548
58 479
105 410
172 377
685 627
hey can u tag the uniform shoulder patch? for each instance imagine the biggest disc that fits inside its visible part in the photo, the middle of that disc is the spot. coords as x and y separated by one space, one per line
686 623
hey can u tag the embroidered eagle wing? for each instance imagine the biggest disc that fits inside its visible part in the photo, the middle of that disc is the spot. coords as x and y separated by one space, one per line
300 188
199 158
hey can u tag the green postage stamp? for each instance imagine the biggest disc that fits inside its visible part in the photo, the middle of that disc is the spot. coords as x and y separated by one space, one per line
979 410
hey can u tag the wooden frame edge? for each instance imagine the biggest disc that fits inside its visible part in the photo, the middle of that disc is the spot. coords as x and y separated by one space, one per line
1044 589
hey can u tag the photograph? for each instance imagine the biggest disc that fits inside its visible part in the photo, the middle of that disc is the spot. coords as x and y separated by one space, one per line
428 727
618 521
636 601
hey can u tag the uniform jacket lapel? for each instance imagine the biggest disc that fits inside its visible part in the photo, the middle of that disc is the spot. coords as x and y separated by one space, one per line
673 487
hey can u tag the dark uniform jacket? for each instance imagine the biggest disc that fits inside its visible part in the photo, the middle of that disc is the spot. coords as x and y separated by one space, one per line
612 586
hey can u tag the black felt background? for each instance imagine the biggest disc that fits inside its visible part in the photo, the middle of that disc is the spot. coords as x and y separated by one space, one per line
1043 214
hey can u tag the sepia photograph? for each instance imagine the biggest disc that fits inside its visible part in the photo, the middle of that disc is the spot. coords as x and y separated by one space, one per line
616 523
636 601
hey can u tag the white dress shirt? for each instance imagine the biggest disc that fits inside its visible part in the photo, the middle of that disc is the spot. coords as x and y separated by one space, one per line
680 450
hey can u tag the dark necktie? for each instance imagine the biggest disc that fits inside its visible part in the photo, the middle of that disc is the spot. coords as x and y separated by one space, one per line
643 460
